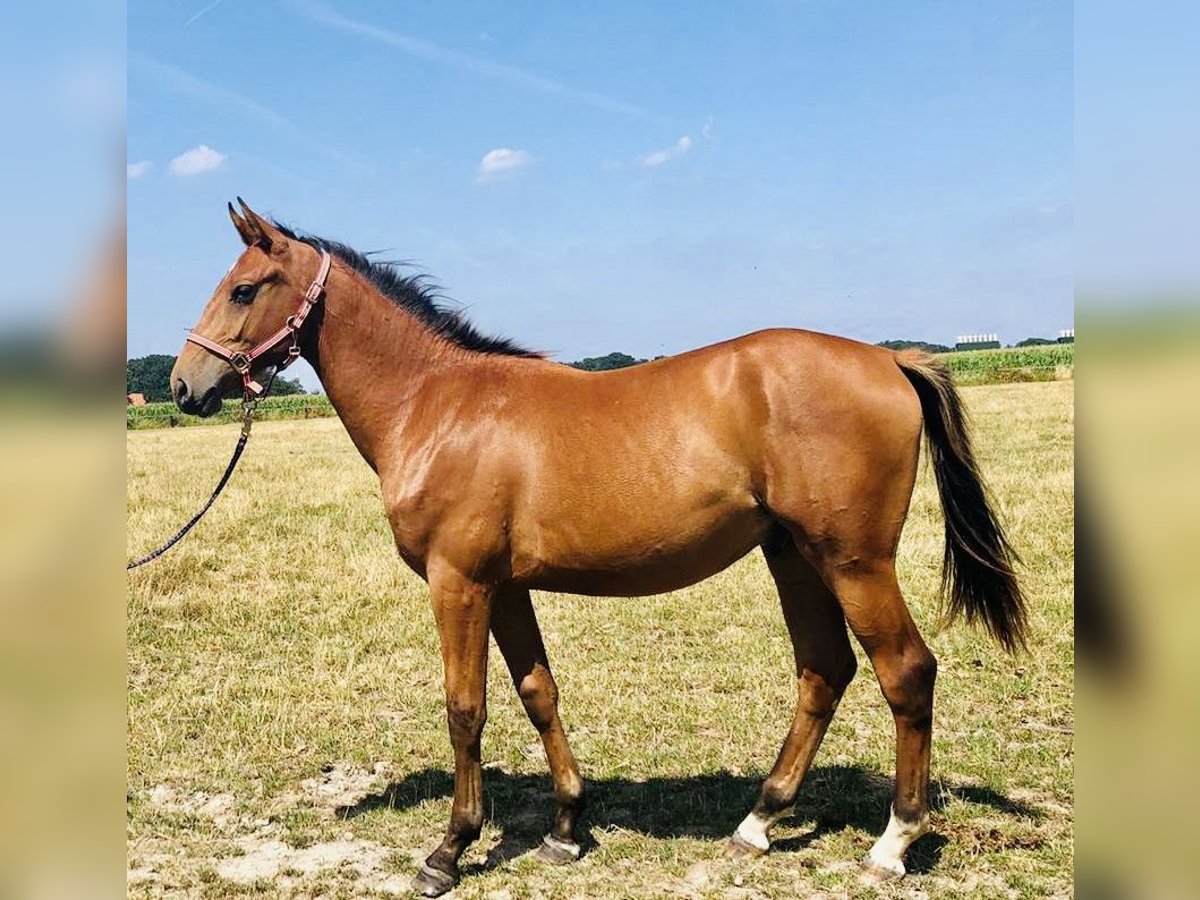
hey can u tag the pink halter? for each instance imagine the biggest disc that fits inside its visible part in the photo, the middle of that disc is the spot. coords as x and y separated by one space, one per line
243 361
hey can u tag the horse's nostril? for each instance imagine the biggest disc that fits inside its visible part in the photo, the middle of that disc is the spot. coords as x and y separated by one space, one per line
180 390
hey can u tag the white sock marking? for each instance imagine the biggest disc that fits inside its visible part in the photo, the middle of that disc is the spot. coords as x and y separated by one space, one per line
753 831
754 828
889 850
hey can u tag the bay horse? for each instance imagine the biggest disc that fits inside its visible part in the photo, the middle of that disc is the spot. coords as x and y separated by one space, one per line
502 471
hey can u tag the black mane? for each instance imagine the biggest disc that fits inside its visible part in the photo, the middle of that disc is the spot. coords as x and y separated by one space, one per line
414 294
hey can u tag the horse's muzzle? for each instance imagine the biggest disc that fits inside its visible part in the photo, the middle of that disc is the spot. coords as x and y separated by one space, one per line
204 406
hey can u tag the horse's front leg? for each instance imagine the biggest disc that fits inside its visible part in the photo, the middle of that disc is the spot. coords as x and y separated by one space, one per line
462 609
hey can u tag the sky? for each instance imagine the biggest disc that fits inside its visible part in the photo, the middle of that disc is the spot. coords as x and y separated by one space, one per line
633 177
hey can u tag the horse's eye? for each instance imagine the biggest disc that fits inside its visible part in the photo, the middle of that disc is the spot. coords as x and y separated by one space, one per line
244 293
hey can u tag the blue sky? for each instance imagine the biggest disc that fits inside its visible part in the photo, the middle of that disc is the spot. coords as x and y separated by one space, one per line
620 176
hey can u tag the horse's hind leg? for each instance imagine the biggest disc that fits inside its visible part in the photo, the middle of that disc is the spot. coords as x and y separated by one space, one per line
515 628
825 665
870 597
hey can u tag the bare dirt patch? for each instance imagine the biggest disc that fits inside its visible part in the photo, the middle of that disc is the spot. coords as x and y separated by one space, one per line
290 867
257 851
338 787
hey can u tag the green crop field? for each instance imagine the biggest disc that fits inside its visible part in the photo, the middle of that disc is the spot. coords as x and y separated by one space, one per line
286 734
167 415
1047 362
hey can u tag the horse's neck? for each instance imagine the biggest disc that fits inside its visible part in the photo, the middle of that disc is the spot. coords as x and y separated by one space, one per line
371 357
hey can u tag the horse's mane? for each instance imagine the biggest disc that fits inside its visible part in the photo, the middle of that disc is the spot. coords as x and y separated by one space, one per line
415 294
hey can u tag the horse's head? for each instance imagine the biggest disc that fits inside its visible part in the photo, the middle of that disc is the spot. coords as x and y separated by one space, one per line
253 302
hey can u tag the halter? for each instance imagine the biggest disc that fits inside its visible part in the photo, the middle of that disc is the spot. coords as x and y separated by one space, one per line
242 361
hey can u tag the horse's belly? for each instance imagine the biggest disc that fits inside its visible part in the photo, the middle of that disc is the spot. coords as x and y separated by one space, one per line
640 557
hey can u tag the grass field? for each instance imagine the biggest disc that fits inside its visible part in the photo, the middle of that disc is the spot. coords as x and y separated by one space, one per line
287 737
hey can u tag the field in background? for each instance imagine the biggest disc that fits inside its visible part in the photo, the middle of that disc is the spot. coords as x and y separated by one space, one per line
286 732
292 406
1047 362
1044 363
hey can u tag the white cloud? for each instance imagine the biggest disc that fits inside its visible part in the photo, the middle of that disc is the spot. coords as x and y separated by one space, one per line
138 169
500 160
682 146
707 129
197 160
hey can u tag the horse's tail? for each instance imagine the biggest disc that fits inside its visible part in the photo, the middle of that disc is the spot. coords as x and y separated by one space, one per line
978 577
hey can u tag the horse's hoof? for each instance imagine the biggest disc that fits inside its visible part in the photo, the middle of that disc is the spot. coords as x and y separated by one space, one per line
431 882
876 873
737 848
556 852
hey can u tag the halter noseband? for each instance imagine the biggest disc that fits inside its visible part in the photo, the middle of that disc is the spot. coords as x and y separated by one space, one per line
242 361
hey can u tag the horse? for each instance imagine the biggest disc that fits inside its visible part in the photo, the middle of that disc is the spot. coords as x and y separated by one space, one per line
503 472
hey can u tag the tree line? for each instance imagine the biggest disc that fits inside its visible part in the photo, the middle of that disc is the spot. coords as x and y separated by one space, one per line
942 348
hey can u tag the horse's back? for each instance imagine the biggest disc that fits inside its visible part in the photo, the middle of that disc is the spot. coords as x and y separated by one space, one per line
786 379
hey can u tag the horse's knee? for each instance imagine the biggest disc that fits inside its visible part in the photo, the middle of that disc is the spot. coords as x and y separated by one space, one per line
466 719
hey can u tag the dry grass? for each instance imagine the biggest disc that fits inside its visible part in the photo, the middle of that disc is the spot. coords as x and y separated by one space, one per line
286 733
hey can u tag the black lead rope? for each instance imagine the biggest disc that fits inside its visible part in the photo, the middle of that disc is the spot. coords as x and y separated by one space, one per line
247 419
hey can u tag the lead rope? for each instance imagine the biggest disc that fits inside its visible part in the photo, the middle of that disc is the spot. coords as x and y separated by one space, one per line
248 405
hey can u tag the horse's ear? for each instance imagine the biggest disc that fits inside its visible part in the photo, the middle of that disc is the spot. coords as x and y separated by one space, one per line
243 227
266 234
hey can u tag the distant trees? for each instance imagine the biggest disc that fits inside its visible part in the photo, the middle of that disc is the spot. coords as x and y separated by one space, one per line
919 345
285 387
602 363
151 375
942 348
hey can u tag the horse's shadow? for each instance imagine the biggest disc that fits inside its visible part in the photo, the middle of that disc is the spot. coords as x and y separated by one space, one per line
705 806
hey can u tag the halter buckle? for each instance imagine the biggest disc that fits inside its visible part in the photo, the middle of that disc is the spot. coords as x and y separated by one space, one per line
314 292
240 362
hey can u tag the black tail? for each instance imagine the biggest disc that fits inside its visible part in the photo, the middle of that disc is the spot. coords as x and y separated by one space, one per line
978 574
